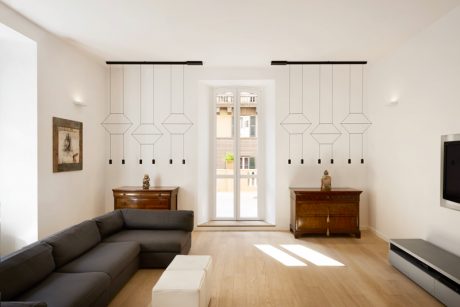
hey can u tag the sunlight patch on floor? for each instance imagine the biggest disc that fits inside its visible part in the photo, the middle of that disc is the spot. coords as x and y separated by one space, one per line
311 255
279 255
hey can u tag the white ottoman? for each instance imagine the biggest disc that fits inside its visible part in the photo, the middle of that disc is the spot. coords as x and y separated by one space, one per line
194 263
180 288
191 262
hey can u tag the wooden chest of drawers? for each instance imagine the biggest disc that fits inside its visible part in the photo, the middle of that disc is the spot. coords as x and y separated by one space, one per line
319 212
164 198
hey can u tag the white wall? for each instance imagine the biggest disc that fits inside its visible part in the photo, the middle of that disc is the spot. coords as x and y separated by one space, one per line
195 178
404 149
63 73
18 136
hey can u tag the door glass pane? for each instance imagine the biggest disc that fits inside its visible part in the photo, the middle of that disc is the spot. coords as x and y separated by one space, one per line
248 197
225 198
224 135
248 133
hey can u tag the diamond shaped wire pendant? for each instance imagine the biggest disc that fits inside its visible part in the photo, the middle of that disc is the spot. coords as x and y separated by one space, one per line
296 123
177 123
326 133
356 123
147 134
116 123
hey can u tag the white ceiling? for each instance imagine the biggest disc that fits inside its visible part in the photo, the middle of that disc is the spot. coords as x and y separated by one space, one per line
234 32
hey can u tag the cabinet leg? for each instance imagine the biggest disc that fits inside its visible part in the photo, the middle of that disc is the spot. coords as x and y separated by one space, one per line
358 235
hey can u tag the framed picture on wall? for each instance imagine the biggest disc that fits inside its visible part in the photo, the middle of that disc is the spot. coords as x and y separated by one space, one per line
67 145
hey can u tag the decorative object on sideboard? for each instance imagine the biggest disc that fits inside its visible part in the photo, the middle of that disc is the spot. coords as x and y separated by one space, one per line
116 123
295 123
356 122
146 182
326 182
67 145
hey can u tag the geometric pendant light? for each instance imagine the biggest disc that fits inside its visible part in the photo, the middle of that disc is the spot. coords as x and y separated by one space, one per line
177 123
295 123
116 123
146 133
326 133
356 123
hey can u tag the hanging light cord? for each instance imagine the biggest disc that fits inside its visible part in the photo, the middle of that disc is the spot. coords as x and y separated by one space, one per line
140 106
171 103
362 109
362 88
110 108
319 92
349 108
301 107
153 106
289 89
123 106
183 111
332 94
183 90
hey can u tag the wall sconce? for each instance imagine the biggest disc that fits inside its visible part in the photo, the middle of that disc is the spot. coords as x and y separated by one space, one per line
79 102
393 101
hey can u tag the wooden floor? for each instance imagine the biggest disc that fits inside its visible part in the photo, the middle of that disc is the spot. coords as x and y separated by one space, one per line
245 276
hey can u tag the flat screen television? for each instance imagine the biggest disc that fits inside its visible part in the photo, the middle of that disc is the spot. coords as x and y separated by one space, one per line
450 171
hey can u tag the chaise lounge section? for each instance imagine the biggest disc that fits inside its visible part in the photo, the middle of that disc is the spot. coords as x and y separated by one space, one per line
87 264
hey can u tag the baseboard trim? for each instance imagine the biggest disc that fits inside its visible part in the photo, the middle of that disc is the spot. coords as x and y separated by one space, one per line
378 234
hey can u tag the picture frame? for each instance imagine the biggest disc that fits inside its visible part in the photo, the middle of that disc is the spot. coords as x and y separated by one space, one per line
67 145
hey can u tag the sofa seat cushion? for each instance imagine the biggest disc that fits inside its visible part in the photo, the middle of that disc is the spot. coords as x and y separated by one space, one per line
154 240
69 289
110 258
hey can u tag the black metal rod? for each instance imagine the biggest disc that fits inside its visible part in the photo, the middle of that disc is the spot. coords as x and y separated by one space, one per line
153 63
318 62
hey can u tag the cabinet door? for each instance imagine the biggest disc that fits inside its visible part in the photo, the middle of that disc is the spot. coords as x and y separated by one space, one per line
311 217
145 201
311 209
312 224
343 224
343 217
343 209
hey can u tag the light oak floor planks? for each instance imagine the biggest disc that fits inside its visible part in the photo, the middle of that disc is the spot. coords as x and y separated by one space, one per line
245 276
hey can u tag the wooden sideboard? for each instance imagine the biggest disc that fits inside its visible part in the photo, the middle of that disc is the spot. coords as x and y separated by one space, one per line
154 198
325 212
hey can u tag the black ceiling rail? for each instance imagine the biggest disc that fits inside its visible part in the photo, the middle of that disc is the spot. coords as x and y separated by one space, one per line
318 62
154 63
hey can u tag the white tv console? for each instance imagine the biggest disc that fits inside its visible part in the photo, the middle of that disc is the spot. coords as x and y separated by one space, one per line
434 269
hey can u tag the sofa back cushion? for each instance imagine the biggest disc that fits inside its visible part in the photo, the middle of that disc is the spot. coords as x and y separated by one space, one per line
22 269
158 219
74 241
109 223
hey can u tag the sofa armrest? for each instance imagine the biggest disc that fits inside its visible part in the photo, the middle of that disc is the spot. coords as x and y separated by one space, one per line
23 304
158 219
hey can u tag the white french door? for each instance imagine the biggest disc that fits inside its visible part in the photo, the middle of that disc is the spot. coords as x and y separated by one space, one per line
236 154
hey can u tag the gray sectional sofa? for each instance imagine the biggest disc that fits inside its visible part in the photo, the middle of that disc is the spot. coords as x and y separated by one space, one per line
87 264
